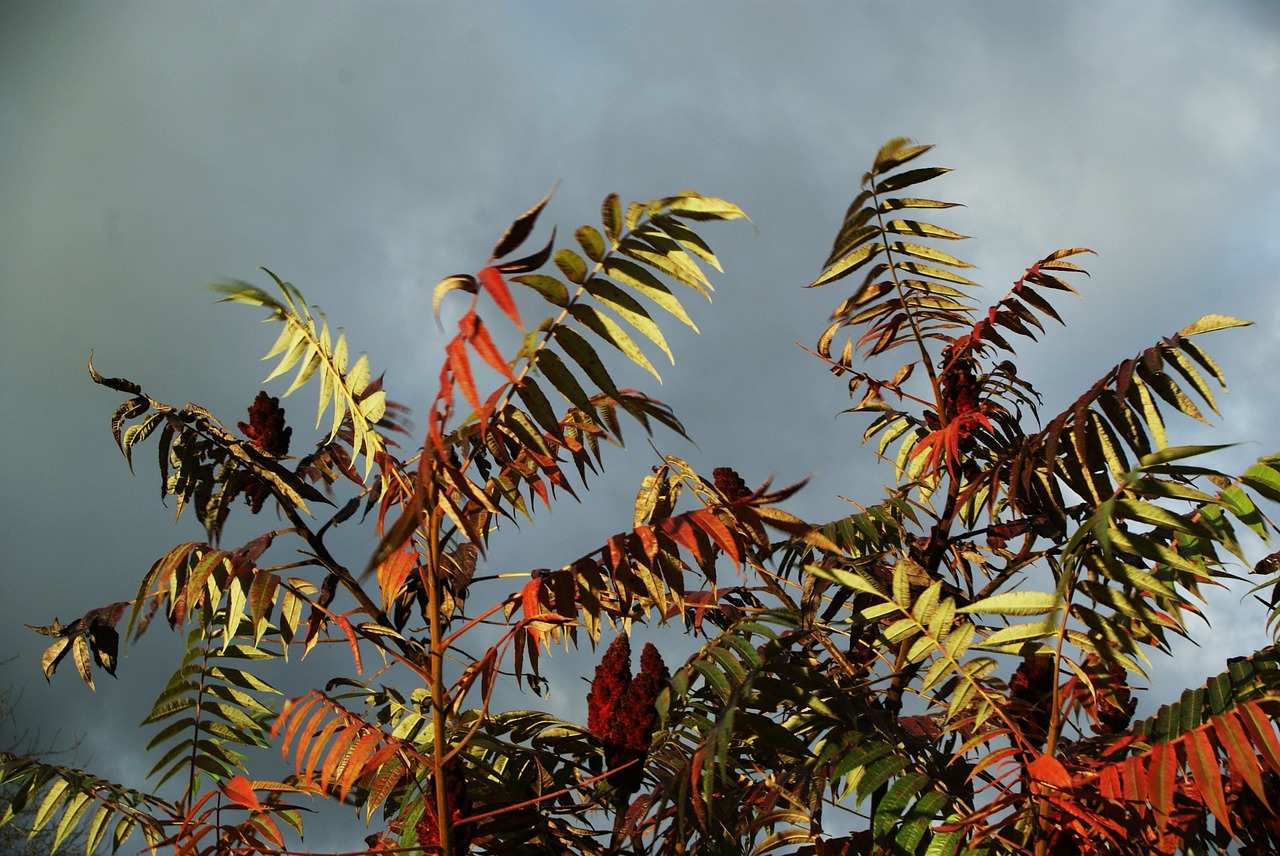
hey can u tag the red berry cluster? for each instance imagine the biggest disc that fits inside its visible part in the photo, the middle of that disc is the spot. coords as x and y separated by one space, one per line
1031 691
729 483
459 804
622 710
959 383
1116 705
1257 821
266 428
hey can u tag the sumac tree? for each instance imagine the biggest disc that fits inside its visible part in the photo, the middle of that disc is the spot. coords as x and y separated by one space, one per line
947 671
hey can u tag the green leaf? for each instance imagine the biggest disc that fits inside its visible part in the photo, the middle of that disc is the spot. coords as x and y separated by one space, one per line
848 264
919 269
631 311
1012 638
555 371
923 230
909 178
1016 603
670 260
587 359
572 266
552 290
634 276
1212 322
1264 479
847 579
611 217
49 805
895 153
75 808
592 242
694 206
608 329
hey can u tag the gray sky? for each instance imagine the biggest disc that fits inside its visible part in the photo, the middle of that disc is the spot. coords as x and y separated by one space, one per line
365 151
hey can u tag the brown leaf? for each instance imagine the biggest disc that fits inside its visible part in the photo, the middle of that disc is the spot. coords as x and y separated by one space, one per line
520 229
117 383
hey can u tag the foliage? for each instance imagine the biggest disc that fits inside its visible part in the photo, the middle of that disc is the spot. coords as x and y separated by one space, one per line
950 670
15 835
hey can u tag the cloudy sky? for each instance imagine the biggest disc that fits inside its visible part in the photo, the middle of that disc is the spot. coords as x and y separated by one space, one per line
364 151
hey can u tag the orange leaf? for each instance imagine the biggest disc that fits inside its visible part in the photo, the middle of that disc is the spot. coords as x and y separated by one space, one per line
289 719
309 731
530 607
1049 770
402 529
269 829
351 637
530 596
393 573
493 283
240 792
338 753
993 758
317 747
355 763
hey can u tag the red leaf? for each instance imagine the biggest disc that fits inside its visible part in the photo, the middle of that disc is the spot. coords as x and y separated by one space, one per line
1262 731
493 283
240 792
709 523
648 542
262 596
539 487
1109 783
1160 781
531 607
1239 750
473 328
461 369
617 552
1135 781
530 597
682 532
1202 761
1049 770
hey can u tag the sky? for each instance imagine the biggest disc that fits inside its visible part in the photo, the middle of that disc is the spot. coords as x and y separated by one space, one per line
365 151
